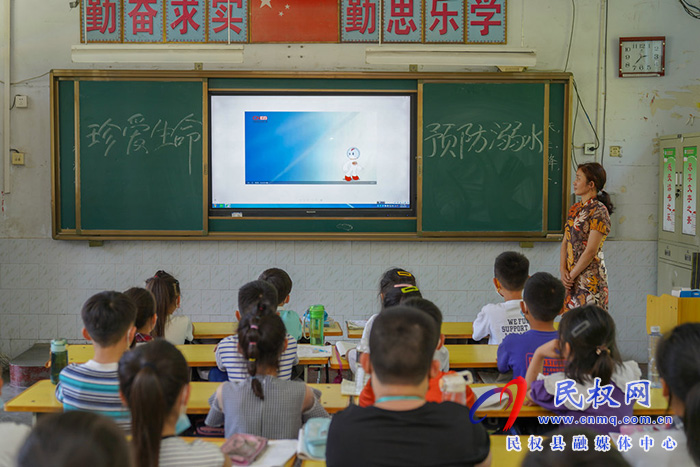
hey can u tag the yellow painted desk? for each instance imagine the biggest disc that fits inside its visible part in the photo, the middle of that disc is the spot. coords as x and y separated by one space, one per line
461 356
219 330
451 330
197 355
500 457
41 398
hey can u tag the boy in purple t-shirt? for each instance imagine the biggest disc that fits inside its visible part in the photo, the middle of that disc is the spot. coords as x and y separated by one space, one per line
543 300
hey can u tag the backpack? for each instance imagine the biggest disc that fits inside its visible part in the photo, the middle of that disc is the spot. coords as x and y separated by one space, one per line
292 323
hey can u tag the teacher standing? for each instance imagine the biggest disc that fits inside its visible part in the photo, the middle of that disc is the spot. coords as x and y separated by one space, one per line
581 263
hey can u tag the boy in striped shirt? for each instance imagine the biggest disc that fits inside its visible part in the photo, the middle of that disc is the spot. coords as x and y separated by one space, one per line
108 320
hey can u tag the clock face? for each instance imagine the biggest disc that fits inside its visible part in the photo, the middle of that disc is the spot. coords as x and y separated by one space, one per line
643 56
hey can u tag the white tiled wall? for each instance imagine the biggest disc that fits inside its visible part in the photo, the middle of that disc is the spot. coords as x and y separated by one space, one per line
43 283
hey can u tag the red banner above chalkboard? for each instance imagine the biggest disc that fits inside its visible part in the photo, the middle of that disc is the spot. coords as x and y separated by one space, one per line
293 21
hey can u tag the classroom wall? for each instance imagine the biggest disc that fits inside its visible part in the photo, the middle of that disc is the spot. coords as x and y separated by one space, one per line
43 282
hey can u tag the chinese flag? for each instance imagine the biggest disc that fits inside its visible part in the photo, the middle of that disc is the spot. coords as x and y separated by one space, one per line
293 21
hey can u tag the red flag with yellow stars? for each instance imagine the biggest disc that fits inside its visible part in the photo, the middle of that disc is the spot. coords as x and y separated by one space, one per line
293 21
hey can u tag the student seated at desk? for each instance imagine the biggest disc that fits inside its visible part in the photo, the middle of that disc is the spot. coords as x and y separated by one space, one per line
587 343
434 393
75 439
678 361
108 320
155 382
263 404
146 316
166 290
543 301
401 428
281 281
257 297
498 320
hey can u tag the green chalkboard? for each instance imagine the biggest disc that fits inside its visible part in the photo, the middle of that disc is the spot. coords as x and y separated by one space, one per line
66 145
483 158
130 155
141 157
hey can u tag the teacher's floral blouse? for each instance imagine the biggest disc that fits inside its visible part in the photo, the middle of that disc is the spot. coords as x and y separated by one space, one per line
592 284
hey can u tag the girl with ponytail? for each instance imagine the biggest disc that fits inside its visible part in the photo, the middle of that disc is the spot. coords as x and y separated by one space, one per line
587 344
259 298
166 290
678 361
263 404
581 262
154 383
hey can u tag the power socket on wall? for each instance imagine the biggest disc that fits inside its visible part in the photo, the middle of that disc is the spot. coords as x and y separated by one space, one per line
589 149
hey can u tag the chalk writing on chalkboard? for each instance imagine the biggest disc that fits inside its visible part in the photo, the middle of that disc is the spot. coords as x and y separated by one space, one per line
139 136
449 139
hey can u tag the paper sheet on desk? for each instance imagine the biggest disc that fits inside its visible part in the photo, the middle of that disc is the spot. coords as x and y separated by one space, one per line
314 351
277 453
357 323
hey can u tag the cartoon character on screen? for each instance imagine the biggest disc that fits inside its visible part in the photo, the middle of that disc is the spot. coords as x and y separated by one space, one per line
352 167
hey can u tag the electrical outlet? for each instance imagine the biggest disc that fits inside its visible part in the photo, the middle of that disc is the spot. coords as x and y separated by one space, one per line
589 149
21 102
17 158
615 151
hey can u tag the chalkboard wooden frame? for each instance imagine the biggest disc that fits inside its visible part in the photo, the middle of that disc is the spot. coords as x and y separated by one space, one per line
219 229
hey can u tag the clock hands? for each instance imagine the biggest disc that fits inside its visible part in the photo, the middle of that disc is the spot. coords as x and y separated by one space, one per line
640 57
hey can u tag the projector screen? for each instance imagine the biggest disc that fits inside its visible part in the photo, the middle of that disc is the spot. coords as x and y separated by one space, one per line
310 152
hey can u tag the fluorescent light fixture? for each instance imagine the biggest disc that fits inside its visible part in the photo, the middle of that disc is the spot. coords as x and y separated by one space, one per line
450 55
157 53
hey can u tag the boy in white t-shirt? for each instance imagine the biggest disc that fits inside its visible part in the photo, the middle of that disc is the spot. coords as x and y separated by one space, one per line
497 320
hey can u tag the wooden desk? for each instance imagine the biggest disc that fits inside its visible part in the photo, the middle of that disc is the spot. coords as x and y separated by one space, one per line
197 355
41 398
451 330
214 330
219 330
500 457
461 356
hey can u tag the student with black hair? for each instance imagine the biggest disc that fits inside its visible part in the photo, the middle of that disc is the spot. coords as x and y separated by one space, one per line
281 281
543 301
154 381
401 428
108 321
678 360
263 404
498 320
587 344
177 329
434 393
396 284
146 316
75 439
258 297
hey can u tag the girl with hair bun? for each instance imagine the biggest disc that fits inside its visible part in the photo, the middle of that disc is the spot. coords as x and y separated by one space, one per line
588 346
166 290
581 263
263 404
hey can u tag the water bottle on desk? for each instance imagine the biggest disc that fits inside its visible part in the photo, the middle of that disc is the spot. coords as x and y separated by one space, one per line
316 318
454 388
653 371
59 358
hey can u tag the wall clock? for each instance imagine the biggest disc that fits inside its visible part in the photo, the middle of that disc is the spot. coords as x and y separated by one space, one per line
642 56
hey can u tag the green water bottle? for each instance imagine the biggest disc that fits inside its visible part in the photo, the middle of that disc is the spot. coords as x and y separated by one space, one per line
59 358
316 316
